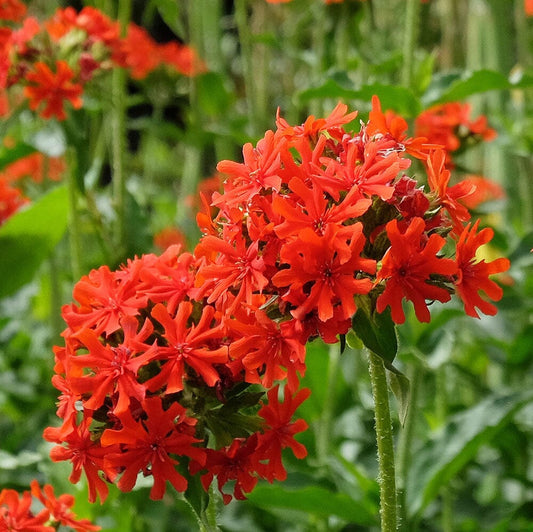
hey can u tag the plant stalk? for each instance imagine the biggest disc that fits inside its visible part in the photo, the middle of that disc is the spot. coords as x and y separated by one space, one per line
119 144
412 11
385 444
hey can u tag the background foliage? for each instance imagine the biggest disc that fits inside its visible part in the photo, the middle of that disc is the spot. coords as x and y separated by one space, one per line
464 456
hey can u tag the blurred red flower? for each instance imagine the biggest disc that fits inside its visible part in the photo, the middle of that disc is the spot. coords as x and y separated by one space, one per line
52 89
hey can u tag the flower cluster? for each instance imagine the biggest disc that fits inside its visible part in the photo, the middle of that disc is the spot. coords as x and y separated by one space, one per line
54 60
449 124
167 361
16 511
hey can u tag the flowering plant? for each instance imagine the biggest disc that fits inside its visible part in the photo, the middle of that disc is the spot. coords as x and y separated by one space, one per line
172 364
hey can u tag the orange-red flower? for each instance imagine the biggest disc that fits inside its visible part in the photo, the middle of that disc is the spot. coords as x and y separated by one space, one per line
473 274
147 445
13 10
60 508
408 267
52 89
16 514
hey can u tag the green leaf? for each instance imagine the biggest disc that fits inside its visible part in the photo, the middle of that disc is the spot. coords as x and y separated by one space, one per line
313 500
454 88
443 457
10 155
170 13
213 97
376 331
399 384
29 237
399 99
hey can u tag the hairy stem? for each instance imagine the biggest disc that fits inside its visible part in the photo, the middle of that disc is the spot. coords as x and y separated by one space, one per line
385 444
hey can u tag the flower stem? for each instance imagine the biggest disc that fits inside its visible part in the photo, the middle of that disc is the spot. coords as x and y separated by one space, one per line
409 43
323 436
73 215
118 122
405 443
385 445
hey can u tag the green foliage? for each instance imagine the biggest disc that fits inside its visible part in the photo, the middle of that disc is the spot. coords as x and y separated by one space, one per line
29 237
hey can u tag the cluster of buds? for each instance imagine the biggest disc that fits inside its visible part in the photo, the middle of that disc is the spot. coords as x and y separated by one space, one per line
53 60
17 512
174 364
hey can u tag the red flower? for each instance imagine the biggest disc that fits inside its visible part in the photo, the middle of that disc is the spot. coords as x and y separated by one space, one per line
60 508
53 89
330 272
85 454
473 275
528 7
280 432
13 10
237 462
408 266
146 445
11 200
267 348
260 171
187 344
392 126
450 198
16 515
105 297
113 369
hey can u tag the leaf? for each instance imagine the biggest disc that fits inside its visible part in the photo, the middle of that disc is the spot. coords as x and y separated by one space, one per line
376 331
29 237
10 155
170 13
454 87
213 97
399 384
443 457
396 98
313 500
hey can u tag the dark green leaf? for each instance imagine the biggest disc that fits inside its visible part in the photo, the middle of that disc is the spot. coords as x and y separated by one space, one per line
313 500
29 237
377 332
443 457
10 155
170 13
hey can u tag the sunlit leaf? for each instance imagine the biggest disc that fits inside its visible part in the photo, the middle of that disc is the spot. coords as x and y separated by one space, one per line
29 237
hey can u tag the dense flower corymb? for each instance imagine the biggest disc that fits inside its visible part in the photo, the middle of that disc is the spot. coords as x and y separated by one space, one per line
171 352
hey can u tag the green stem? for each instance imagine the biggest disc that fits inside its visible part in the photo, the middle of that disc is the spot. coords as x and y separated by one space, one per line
441 404
323 436
245 38
405 444
385 444
410 38
73 215
118 121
